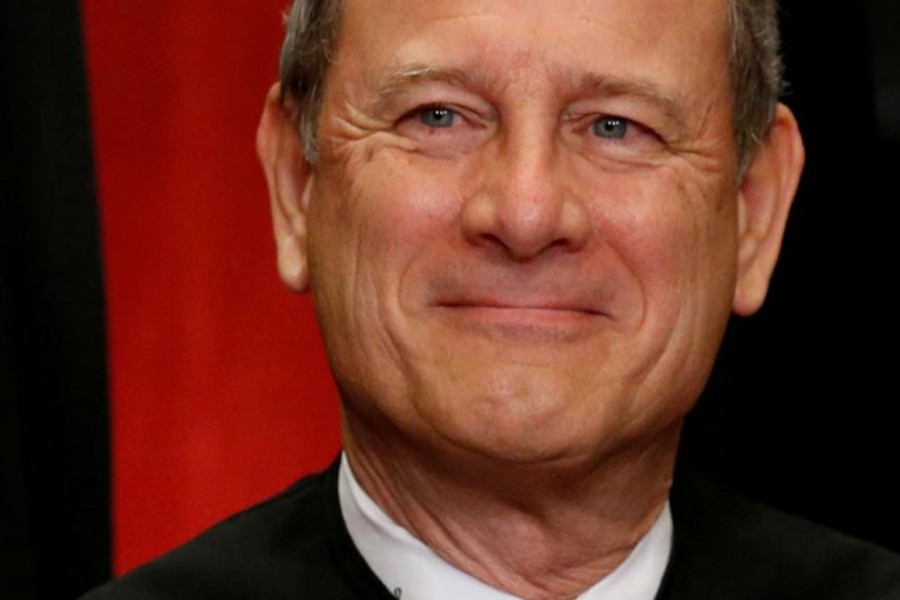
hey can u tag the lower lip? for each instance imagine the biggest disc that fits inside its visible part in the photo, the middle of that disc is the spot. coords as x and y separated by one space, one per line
523 322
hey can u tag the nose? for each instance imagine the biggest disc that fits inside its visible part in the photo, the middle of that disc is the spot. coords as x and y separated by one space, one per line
524 207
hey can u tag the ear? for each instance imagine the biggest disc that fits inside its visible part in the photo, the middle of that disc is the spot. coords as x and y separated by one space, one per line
764 201
288 176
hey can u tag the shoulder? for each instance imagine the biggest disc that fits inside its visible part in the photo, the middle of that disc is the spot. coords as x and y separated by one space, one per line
294 545
728 546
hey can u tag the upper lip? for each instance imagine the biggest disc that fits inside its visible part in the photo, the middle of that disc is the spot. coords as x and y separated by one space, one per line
522 302
466 285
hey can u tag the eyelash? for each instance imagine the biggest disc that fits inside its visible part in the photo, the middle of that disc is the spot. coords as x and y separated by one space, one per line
422 112
441 130
636 134
417 114
630 127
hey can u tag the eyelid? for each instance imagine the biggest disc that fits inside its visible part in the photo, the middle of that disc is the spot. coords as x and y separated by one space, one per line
418 110
635 127
463 117
640 145
466 132
468 104
635 114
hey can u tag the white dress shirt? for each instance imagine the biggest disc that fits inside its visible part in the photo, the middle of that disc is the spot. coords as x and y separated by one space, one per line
412 571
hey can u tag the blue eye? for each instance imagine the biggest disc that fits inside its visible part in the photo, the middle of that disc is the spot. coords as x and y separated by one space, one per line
612 128
437 117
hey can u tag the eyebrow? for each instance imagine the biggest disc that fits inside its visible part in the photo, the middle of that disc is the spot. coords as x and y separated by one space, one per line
641 89
648 92
407 75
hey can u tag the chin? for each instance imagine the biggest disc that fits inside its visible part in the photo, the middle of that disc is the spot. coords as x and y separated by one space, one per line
523 428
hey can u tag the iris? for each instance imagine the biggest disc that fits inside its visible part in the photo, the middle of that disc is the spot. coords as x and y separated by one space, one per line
613 128
437 117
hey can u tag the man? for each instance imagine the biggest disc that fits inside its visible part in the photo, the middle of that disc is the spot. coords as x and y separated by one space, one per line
524 226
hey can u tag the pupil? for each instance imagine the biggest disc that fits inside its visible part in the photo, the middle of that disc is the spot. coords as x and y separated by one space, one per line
611 128
437 117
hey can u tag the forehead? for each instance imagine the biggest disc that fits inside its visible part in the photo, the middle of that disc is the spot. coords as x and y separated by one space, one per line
668 40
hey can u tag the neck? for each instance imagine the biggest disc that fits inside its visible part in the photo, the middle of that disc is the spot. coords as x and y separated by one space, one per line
537 531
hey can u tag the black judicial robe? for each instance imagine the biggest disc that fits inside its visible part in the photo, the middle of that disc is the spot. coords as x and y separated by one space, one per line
296 546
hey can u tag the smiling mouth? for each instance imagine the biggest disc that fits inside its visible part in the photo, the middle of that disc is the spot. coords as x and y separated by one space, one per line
539 303
549 309
556 321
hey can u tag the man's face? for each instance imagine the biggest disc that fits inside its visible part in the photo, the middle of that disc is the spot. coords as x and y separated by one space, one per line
522 225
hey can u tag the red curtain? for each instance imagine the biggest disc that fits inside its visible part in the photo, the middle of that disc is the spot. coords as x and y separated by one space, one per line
220 392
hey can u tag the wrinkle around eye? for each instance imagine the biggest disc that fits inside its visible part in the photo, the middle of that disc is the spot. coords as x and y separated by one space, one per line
639 143
462 133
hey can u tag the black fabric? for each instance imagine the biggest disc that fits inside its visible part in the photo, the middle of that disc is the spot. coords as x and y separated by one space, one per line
728 547
725 547
293 546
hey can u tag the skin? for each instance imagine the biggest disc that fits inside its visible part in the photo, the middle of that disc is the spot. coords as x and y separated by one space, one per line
521 305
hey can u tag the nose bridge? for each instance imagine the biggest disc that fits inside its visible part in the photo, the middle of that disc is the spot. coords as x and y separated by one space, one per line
528 175
524 206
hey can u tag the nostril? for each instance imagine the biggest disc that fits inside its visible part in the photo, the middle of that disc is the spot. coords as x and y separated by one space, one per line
524 227
494 240
575 228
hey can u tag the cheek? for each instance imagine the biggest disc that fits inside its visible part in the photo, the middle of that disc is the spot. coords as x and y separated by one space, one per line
376 233
407 210
371 223
383 212
674 232
407 213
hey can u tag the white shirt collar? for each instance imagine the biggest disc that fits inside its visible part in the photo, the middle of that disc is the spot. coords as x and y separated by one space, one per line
413 571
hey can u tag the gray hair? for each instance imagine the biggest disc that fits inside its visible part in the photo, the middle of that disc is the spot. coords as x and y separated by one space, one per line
312 30
755 68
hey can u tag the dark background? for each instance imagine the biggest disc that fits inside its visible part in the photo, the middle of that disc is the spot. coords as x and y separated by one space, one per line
798 412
